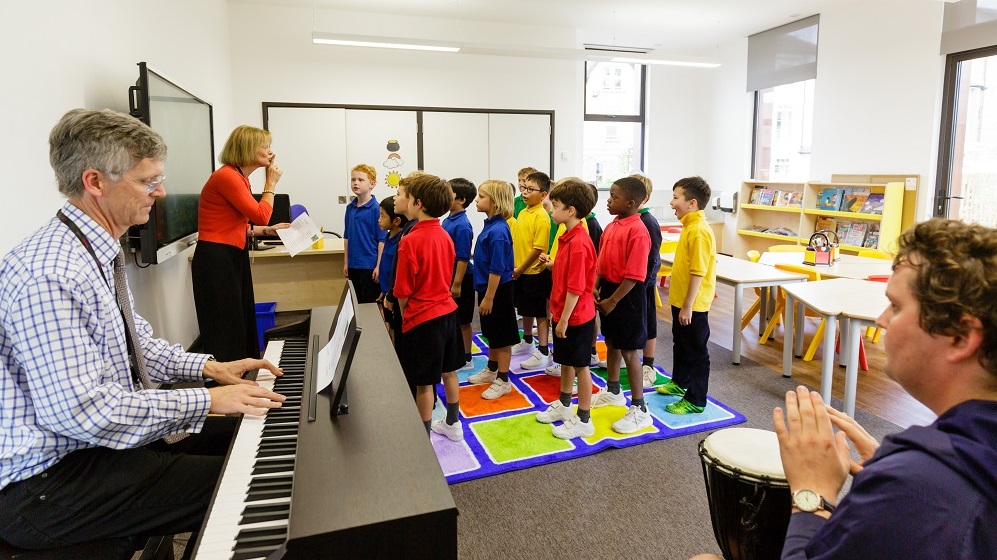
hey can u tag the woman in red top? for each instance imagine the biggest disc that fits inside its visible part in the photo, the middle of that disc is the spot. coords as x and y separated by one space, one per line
223 282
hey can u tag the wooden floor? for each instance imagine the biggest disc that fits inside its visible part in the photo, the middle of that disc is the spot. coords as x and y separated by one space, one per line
876 393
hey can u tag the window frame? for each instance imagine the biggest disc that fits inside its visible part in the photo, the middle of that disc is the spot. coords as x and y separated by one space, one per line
639 118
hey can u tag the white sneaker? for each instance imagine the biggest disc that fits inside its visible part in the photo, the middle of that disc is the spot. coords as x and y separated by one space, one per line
603 364
453 432
574 427
536 361
497 389
605 398
556 412
467 366
650 376
594 360
633 421
523 347
482 377
553 370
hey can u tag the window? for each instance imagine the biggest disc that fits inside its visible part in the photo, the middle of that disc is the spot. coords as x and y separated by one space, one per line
613 132
782 136
966 188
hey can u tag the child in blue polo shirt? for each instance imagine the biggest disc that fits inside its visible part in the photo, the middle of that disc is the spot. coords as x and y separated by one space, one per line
493 266
458 227
363 240
391 223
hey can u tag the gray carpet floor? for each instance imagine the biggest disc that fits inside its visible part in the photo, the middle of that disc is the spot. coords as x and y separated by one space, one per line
647 501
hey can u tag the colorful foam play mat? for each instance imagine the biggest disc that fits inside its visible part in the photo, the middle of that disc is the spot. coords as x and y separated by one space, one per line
503 435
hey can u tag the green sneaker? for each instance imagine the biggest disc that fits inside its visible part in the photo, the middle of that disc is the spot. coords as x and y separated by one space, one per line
670 388
684 407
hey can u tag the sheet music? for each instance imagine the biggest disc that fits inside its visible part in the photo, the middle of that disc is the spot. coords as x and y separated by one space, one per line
328 358
300 236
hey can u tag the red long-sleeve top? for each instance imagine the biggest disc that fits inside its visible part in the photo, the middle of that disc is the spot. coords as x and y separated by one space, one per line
227 206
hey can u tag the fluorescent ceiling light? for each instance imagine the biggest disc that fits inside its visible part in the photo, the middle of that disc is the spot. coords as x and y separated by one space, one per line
320 38
666 62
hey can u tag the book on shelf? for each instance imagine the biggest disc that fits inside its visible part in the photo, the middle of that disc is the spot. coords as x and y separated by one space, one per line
826 223
841 228
781 231
830 199
759 229
872 237
781 198
855 236
873 204
853 201
765 197
796 199
753 195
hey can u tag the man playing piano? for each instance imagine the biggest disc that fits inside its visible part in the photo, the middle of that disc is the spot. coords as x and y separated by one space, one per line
81 456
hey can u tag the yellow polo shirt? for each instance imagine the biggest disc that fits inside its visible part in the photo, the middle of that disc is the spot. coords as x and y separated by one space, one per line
532 231
696 254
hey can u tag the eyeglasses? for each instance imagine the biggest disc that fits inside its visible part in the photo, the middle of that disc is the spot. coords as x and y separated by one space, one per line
150 185
525 189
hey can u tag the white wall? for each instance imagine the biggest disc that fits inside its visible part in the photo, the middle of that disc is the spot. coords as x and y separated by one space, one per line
876 102
282 65
64 54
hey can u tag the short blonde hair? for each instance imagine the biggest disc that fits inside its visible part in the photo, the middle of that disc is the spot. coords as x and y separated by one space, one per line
240 148
646 181
501 196
524 172
364 168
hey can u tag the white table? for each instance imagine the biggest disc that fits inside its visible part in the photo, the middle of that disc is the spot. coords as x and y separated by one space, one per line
856 302
848 266
740 274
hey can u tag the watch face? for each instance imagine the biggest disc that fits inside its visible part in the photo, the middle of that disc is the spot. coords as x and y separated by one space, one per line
806 500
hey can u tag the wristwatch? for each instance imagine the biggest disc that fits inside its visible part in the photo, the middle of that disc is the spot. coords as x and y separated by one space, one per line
810 501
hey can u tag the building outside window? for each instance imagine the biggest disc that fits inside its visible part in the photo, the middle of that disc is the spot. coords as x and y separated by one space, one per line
783 132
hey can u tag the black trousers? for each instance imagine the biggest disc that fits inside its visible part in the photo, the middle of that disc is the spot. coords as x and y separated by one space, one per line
224 301
101 493
691 369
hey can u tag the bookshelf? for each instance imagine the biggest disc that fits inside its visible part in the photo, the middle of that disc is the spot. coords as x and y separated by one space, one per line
753 216
759 220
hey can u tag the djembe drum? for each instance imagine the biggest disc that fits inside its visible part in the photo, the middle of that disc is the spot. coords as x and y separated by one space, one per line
749 498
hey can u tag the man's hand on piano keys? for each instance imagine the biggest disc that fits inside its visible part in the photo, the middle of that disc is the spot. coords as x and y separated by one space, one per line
230 373
245 399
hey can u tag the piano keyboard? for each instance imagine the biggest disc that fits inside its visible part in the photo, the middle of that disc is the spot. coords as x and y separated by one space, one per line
249 515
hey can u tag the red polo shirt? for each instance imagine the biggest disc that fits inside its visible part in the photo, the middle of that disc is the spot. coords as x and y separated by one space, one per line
423 273
574 272
226 206
623 250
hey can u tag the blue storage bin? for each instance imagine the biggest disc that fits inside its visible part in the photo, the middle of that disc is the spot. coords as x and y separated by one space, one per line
266 318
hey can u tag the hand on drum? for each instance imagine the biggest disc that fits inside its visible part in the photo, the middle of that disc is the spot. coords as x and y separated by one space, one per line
813 456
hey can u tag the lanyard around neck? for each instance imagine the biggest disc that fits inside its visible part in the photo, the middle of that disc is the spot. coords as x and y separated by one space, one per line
83 239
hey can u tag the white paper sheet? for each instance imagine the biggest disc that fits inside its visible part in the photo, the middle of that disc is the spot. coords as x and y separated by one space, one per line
300 236
328 358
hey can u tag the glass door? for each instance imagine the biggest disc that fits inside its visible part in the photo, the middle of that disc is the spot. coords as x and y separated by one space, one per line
966 188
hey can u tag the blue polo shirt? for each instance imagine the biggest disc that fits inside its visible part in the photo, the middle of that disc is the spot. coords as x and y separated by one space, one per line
388 261
363 234
493 253
458 227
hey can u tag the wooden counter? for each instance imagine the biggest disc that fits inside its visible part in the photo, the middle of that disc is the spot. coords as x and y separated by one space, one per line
312 278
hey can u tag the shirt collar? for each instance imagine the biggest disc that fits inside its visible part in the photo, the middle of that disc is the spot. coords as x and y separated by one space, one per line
630 218
373 200
105 246
693 217
457 214
570 234
426 223
494 219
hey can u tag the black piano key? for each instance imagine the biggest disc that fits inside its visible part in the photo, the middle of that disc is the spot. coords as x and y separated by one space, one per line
254 552
256 536
259 513
270 466
268 495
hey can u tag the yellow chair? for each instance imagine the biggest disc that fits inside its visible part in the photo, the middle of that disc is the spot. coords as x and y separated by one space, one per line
875 254
753 256
666 271
780 307
787 248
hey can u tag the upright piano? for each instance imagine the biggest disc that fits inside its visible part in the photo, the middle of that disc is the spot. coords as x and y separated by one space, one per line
366 484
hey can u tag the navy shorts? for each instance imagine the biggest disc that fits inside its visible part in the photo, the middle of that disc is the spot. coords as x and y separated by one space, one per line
575 348
532 293
500 327
465 303
366 288
626 327
431 348
652 308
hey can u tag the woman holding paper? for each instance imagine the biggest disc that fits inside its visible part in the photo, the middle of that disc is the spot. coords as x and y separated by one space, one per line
221 274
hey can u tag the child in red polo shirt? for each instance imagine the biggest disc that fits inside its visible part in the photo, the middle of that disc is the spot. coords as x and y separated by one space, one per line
572 307
430 346
622 266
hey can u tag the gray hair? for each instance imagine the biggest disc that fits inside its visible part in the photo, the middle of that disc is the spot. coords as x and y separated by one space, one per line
106 140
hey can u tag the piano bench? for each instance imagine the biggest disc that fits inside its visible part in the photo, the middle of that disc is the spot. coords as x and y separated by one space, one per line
106 549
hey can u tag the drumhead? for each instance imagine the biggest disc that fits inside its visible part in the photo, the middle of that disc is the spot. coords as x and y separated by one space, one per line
750 450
